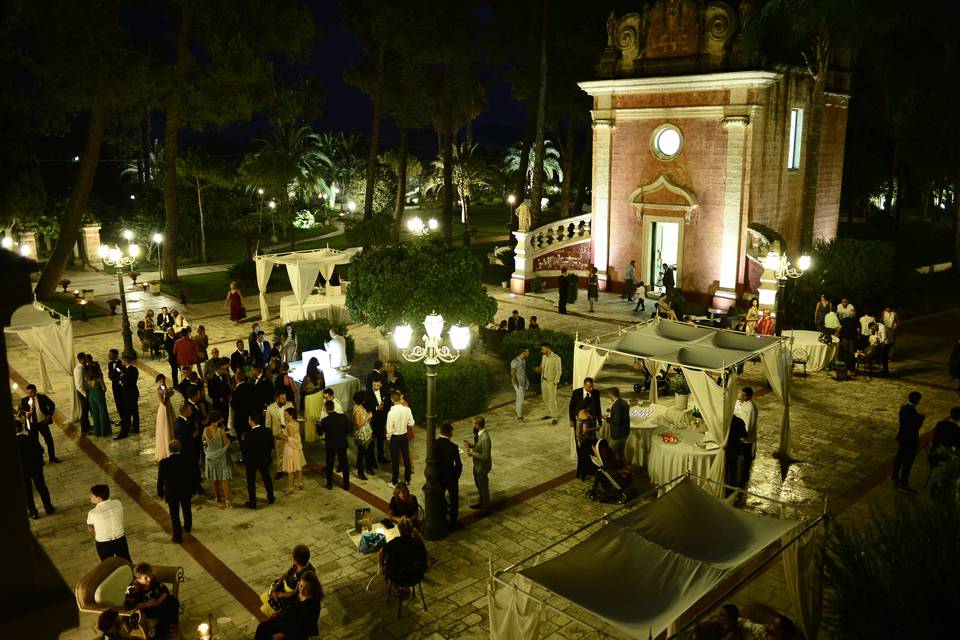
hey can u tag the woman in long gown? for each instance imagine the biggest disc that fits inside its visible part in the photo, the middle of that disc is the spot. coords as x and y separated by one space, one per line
289 346
234 302
311 396
165 418
97 397
293 458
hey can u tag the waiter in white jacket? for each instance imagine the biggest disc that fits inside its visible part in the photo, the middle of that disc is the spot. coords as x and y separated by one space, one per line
746 410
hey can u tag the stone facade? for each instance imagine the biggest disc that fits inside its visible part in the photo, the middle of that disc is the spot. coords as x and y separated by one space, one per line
683 64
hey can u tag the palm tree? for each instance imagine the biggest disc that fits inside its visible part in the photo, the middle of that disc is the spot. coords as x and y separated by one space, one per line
470 173
153 172
344 151
552 170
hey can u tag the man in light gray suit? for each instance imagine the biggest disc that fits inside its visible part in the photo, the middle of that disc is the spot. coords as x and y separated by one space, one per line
479 450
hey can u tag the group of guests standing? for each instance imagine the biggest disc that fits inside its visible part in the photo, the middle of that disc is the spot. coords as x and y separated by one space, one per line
865 336
91 388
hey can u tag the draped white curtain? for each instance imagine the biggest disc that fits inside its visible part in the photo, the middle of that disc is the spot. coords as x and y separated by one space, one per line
587 362
264 269
302 276
513 614
778 365
716 405
326 270
803 568
54 344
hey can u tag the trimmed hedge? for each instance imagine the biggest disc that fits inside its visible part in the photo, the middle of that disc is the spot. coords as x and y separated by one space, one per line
461 389
561 342
313 334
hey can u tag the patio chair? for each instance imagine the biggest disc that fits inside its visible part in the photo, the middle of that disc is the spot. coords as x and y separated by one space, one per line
409 577
800 358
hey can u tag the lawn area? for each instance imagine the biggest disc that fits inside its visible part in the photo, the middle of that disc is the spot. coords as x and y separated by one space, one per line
226 247
65 303
204 287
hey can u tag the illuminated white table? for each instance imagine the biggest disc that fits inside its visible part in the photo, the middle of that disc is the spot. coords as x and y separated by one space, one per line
819 355
667 461
644 420
343 384
315 307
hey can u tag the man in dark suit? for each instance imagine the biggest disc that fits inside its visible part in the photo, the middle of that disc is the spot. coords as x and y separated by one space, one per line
619 420
239 358
174 485
263 389
164 319
244 404
579 395
31 460
668 280
908 441
185 430
563 288
261 349
114 371
378 403
376 373
449 467
169 342
336 427
219 386
516 322
38 410
130 395
252 338
259 453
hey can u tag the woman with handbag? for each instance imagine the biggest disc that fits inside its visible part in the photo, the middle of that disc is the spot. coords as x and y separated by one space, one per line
234 302
362 435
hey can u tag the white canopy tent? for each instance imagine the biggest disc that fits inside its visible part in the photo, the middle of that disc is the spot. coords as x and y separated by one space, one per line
303 267
643 571
708 358
50 334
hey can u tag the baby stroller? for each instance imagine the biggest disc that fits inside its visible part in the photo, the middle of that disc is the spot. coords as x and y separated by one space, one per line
608 485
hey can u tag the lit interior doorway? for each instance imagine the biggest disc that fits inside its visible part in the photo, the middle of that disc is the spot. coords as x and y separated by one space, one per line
664 248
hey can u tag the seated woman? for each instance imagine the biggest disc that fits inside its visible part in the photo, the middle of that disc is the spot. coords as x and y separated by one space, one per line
586 434
153 600
285 587
610 460
402 551
297 620
404 505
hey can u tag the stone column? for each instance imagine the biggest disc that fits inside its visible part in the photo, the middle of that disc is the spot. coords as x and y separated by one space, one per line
522 266
90 241
736 127
29 239
603 124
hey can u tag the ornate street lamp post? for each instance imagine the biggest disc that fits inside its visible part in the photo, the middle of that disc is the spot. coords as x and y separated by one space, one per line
782 271
431 354
116 258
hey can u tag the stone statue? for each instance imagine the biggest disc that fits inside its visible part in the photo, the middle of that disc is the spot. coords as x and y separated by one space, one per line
523 216
611 29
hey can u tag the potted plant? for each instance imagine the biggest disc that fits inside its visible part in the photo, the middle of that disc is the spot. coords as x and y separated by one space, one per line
114 303
678 384
134 275
64 283
154 286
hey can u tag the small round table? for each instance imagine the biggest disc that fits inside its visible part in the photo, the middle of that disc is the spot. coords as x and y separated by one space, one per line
667 461
819 355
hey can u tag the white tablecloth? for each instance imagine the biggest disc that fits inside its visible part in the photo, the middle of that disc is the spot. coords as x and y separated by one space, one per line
819 355
644 420
332 308
343 390
667 461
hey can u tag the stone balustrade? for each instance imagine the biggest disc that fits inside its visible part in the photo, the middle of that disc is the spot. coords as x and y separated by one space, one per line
545 239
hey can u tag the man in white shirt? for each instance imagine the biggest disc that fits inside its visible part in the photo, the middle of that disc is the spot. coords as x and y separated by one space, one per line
550 370
891 320
337 348
746 410
328 394
845 309
79 383
880 346
105 520
518 376
866 320
275 424
398 419
631 277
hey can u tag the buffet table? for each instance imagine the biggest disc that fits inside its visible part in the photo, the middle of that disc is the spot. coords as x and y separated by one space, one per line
819 355
315 307
644 420
667 461
343 384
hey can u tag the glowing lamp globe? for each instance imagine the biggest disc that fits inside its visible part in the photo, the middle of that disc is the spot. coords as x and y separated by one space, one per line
157 238
134 250
352 206
25 250
115 254
402 336
127 235
103 251
433 224
434 325
7 242
459 337
803 263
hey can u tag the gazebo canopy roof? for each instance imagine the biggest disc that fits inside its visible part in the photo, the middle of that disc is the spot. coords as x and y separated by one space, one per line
325 255
30 316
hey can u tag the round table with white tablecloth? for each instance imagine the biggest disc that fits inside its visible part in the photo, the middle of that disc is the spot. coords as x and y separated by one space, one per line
644 420
668 461
315 307
819 355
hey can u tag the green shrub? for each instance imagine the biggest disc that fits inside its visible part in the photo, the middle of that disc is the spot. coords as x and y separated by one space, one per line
313 334
461 389
537 285
561 342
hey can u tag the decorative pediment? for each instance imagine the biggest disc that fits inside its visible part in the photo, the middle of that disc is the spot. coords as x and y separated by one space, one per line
663 195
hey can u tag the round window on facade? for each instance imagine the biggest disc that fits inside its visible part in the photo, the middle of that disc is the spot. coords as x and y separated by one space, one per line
667 142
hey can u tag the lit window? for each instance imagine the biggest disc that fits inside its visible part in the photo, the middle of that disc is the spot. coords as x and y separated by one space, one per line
796 136
667 142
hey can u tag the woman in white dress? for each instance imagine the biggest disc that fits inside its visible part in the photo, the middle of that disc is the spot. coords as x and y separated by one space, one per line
165 419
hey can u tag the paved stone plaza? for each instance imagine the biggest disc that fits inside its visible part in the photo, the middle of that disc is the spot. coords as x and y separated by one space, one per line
842 437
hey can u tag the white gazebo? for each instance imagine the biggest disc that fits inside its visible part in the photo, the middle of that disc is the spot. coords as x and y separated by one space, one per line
303 267
708 358
50 335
